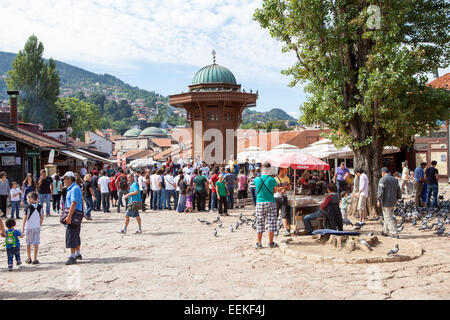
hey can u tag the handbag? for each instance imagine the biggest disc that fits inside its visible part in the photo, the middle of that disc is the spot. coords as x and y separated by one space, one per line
77 217
136 206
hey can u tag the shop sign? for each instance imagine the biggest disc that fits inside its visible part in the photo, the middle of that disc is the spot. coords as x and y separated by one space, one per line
8 147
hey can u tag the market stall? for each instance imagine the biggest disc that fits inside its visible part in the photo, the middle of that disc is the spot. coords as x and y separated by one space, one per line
299 206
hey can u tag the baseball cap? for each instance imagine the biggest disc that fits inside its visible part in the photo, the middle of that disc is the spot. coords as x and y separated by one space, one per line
69 174
384 169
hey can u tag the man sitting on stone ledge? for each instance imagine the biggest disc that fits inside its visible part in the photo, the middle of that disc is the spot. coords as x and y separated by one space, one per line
331 188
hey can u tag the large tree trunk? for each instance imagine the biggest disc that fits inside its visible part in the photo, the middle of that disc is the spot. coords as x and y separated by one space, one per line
370 158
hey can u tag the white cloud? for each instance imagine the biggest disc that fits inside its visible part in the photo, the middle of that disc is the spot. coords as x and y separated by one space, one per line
122 33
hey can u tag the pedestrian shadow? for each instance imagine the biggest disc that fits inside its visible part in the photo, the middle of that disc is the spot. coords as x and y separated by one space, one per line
111 260
162 233
52 293
27 269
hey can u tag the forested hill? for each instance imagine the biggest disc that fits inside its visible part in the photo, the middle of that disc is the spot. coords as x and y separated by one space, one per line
74 79
251 116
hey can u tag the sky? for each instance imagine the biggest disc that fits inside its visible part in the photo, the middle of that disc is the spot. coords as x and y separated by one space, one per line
157 45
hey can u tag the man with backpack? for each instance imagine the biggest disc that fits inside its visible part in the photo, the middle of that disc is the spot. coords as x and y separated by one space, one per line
122 189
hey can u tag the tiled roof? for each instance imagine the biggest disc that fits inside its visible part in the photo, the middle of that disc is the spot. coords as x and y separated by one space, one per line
30 138
441 82
162 142
138 154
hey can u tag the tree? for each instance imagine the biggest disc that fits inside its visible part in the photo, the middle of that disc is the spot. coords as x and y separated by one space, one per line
85 116
366 81
38 83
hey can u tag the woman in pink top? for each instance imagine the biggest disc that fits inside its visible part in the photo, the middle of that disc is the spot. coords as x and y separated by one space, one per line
242 189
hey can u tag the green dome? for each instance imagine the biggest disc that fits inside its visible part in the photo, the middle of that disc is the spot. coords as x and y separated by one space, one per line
132 133
214 73
153 131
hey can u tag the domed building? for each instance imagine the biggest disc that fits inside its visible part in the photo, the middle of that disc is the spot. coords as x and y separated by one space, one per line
150 138
214 106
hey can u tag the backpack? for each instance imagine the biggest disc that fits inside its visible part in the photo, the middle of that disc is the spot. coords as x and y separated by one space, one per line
10 239
123 183
31 210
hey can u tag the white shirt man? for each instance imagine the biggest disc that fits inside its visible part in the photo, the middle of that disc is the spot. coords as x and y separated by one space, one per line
175 180
141 183
363 194
103 182
155 181
187 170
169 182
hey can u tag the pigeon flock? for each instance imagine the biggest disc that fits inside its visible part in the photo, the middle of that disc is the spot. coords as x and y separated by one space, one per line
431 218
241 221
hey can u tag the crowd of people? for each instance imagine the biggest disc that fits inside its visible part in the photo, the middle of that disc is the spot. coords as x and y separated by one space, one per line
187 187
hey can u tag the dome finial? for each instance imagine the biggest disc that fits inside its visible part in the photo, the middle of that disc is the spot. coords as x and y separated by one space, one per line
214 56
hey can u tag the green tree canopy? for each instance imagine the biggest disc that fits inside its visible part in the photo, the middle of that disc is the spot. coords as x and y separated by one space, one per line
85 116
38 83
365 80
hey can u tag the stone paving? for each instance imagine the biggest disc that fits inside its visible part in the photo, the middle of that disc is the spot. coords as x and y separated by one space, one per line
177 257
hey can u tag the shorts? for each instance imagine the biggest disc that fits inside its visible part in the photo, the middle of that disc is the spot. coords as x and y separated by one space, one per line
266 210
362 202
33 236
114 195
283 205
73 239
132 213
242 194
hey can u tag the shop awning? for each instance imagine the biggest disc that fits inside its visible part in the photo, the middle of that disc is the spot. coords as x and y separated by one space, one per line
94 157
74 155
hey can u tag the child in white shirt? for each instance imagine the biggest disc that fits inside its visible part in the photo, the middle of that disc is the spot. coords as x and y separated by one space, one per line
15 200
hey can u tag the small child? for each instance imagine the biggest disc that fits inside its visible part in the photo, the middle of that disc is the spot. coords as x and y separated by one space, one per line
15 200
12 243
345 201
32 223
189 200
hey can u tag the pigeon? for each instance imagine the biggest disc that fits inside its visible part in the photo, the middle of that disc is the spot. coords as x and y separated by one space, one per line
370 234
393 251
357 228
400 229
236 226
440 232
215 233
207 222
365 243
240 216
423 227
200 220
220 224
216 220
414 222
231 228
400 223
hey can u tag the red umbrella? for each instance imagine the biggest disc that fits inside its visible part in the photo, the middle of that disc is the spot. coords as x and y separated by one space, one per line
298 160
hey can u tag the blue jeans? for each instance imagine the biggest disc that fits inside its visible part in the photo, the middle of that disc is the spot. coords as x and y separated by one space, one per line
432 188
162 200
253 191
45 197
230 199
309 217
169 194
15 206
213 201
11 253
89 206
156 199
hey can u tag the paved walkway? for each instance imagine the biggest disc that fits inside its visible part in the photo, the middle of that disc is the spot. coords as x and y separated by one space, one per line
177 257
